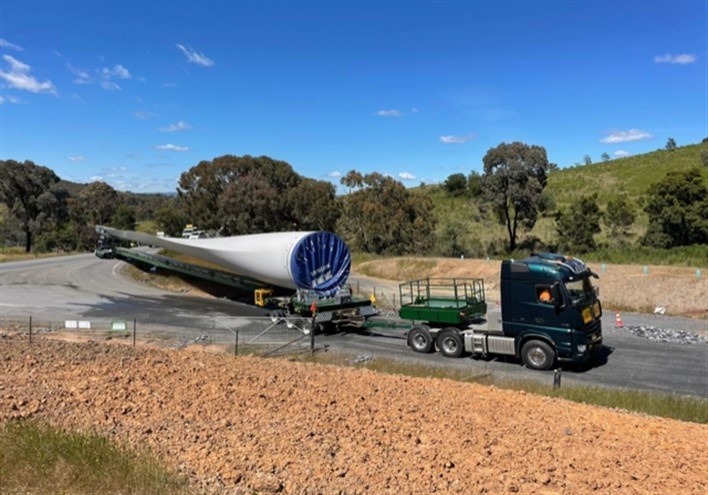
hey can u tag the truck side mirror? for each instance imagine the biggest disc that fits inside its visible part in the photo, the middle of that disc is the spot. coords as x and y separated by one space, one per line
558 300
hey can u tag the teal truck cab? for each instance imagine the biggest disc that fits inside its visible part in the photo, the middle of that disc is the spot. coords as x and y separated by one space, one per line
550 312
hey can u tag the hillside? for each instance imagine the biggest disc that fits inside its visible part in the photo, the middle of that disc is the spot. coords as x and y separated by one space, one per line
632 175
475 229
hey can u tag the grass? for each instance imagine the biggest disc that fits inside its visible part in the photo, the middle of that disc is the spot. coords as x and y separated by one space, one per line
8 254
37 458
681 408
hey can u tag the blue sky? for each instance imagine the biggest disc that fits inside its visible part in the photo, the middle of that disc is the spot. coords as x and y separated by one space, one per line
135 93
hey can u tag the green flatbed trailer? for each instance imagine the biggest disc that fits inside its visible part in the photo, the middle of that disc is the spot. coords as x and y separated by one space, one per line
442 302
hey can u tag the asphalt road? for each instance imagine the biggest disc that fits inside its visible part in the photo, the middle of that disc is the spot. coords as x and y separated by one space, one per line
84 286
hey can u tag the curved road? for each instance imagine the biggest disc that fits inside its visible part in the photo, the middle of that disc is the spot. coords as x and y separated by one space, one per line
83 286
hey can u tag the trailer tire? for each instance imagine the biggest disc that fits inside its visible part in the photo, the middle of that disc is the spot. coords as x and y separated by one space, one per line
420 340
450 343
538 355
276 316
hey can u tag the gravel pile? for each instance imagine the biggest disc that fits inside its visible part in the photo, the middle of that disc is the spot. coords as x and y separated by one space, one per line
241 425
667 335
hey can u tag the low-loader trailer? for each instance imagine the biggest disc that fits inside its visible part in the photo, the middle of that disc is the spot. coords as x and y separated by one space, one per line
549 312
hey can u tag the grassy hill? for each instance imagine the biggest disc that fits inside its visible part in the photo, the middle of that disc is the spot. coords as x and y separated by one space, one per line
632 175
477 230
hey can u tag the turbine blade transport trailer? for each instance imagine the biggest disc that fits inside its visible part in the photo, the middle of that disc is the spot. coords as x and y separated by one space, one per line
315 265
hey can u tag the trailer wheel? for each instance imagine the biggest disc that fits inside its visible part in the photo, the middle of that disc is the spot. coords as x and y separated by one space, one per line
537 355
420 340
276 315
450 343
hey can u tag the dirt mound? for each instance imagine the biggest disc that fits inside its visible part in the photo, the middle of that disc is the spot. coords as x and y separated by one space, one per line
244 425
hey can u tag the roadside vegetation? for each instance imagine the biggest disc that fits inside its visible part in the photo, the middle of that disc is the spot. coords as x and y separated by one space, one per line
663 405
38 458
650 208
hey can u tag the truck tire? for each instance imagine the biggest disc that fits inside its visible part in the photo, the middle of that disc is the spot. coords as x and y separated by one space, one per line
450 343
538 355
420 340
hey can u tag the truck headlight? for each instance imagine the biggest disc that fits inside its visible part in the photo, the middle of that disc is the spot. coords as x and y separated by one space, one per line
587 315
582 348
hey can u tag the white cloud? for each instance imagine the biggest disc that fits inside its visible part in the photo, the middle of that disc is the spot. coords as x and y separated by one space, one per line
18 77
110 86
144 115
457 139
82 76
683 58
179 126
171 147
117 71
6 44
626 136
406 176
10 99
621 153
195 57
334 175
76 158
104 76
389 113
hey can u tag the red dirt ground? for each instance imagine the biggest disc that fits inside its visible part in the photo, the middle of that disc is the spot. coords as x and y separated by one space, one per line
250 425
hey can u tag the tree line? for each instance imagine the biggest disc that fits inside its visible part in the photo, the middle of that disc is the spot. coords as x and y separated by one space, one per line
236 195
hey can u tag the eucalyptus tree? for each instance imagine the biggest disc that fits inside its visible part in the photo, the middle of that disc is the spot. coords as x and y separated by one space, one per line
515 175
25 190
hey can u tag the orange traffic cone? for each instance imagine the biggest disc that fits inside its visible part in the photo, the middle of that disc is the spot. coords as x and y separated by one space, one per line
618 321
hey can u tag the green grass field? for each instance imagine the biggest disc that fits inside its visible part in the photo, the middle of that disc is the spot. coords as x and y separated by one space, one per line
37 458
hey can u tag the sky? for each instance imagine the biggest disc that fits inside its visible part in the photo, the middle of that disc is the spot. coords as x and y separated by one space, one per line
134 93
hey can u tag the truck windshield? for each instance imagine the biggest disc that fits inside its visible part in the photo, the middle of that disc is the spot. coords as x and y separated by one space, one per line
580 291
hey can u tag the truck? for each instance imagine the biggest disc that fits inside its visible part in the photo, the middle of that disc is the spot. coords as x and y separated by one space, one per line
550 312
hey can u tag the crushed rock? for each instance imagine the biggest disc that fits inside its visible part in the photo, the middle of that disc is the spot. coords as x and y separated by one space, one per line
253 425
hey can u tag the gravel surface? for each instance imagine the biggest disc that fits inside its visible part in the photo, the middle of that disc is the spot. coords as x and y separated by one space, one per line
667 335
240 425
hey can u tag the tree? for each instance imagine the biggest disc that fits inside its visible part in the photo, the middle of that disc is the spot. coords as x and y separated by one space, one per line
123 218
577 226
678 210
587 160
474 184
235 195
313 205
605 157
21 186
456 184
514 177
619 217
382 216
171 218
671 144
95 204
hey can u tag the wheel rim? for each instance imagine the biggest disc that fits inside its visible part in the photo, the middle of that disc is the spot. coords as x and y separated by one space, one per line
537 356
449 345
419 341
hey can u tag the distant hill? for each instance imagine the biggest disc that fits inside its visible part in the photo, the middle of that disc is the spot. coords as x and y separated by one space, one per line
464 221
632 175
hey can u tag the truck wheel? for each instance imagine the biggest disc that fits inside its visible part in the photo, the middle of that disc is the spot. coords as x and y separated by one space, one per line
537 355
450 343
420 340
